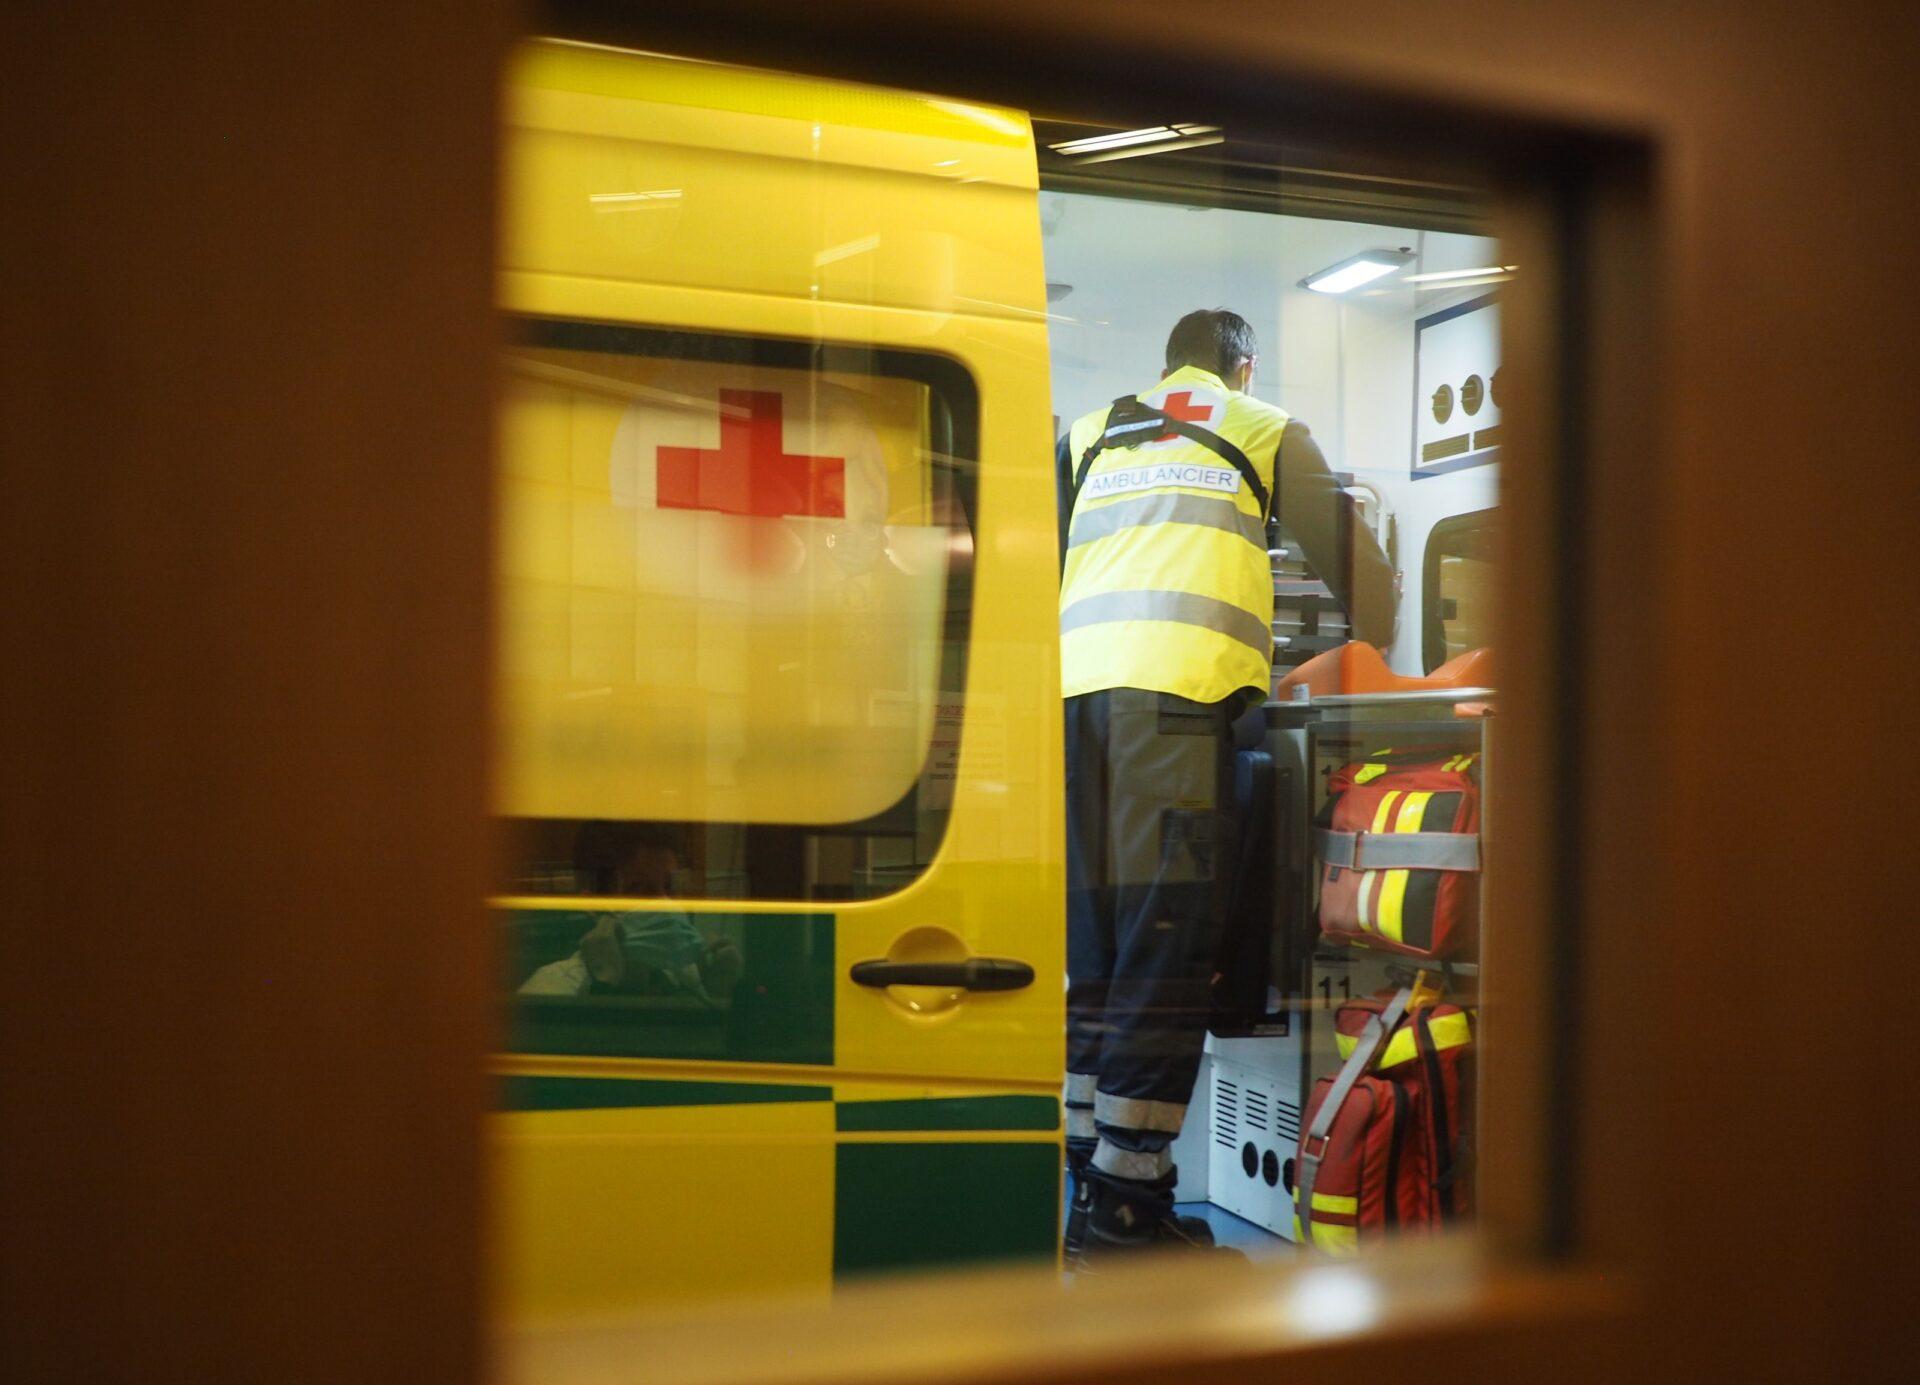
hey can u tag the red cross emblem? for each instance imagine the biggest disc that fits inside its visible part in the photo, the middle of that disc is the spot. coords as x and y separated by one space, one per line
751 473
1182 407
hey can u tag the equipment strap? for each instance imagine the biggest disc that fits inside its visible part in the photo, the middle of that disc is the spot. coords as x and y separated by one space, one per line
1131 416
1399 850
1446 1137
1307 1171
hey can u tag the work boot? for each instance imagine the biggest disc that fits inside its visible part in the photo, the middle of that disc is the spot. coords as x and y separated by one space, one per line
1126 1215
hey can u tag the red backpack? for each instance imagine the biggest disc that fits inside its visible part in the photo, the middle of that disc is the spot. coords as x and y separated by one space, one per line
1399 851
1385 1139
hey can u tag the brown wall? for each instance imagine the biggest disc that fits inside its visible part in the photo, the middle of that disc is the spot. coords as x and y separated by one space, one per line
245 351
245 361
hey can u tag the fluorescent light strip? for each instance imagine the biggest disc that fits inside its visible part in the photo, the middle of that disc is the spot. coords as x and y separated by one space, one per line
1156 134
1350 276
1095 142
1452 284
1442 275
1163 147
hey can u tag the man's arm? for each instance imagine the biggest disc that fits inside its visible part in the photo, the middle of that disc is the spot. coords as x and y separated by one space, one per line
1342 552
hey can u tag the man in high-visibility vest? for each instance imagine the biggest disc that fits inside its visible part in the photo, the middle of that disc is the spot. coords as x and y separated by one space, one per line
1166 613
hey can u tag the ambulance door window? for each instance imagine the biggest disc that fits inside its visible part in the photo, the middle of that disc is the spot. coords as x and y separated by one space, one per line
735 613
1457 579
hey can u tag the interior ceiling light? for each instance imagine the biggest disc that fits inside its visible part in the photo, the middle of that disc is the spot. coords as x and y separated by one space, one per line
1130 144
1441 276
1356 270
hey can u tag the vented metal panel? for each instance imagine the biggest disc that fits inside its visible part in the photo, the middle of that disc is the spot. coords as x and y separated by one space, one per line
1255 1133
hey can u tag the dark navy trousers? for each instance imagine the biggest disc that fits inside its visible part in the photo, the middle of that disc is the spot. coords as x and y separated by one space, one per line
1151 843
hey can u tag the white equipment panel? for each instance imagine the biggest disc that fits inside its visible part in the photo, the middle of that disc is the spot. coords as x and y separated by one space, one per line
1255 1131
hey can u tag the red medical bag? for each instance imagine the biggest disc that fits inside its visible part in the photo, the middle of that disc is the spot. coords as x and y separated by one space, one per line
1399 852
1391 1155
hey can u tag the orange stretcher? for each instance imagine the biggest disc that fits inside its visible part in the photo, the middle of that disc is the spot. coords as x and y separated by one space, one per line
1356 667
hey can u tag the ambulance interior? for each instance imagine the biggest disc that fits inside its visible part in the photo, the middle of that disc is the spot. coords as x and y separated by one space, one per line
1376 305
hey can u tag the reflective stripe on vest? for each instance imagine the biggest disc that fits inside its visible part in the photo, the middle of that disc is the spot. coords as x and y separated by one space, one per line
1167 584
1185 608
1167 507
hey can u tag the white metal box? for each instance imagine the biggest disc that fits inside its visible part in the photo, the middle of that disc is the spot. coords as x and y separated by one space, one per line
1254 1130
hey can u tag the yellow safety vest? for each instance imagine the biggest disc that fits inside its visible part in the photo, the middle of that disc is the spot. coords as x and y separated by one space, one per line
1167 585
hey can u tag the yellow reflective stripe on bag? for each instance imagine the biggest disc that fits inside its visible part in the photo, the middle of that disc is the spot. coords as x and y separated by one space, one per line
1449 1031
1334 1203
1335 1240
1397 1050
1370 879
1328 1236
1393 889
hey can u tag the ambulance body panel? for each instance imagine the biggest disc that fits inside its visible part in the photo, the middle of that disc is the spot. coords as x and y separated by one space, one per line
834 298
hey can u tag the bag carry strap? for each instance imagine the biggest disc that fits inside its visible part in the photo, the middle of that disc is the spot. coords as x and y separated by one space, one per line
1398 850
1446 1139
1131 416
1307 1171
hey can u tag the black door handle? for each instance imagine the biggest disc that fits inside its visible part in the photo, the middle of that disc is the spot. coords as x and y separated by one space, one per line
974 974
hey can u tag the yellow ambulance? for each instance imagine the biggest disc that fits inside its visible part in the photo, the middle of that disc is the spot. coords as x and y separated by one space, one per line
778 704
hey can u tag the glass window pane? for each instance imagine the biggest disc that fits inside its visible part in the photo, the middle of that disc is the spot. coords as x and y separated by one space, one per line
1458 585
734 595
1015 579
1378 340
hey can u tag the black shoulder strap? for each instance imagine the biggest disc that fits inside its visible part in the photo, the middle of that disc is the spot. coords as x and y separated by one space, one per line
1131 418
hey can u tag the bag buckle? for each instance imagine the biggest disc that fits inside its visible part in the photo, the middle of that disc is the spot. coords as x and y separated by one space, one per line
1358 839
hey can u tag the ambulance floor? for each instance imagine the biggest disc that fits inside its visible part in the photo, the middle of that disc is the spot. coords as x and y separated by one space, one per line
1256 1242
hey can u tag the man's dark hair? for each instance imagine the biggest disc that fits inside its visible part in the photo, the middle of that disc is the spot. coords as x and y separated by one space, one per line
1213 339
